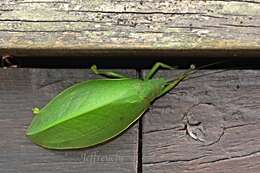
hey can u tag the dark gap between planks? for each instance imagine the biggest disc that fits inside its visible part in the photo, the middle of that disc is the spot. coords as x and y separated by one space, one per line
140 137
130 62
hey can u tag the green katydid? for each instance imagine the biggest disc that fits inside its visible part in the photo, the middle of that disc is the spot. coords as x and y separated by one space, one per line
94 111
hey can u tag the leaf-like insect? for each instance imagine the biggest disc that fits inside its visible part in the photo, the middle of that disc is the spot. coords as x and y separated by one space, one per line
95 111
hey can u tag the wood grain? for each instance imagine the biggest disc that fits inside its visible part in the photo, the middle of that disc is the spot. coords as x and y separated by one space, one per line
22 89
88 27
226 103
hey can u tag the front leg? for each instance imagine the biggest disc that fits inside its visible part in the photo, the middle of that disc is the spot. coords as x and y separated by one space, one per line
155 68
179 79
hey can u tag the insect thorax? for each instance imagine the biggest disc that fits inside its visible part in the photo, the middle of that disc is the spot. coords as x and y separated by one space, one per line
152 88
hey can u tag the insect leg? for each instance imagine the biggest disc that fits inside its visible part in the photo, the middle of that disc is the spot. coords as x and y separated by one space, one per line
174 83
155 68
106 73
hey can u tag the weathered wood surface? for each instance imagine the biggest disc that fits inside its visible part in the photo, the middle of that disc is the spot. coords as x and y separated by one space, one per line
86 27
22 89
226 104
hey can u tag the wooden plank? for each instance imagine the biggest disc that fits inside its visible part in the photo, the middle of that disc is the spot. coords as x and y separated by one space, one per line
22 89
227 105
87 27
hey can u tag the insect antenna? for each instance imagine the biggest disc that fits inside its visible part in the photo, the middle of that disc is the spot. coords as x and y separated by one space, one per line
194 70
219 71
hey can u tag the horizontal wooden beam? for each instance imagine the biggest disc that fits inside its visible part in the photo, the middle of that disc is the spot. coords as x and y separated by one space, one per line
82 26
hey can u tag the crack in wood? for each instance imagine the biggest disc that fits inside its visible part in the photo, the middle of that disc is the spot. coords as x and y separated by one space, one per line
173 161
251 154
181 127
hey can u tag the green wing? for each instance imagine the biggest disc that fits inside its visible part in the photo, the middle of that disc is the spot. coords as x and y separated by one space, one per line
88 113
